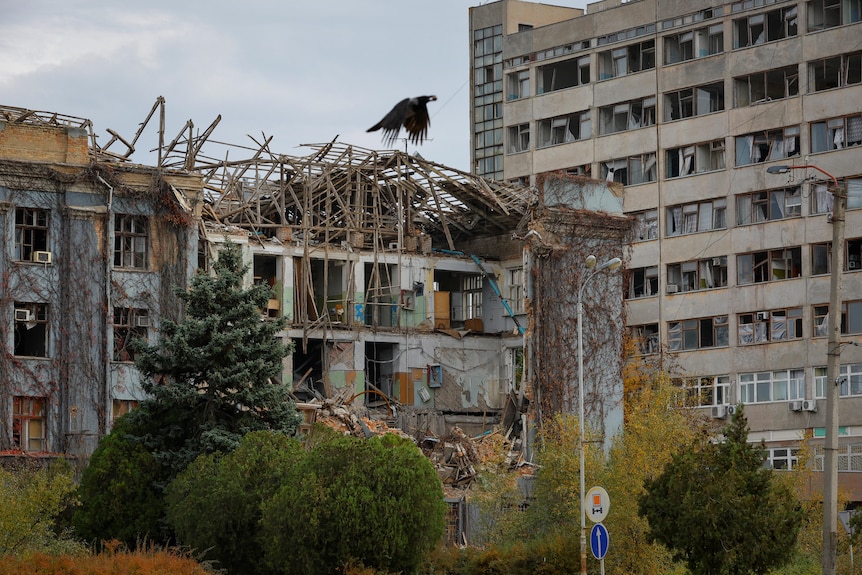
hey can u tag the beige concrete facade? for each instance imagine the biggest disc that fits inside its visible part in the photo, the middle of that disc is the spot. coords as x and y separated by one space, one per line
689 104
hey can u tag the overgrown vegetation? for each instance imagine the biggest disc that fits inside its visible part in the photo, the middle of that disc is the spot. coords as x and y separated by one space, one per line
210 381
715 505
32 500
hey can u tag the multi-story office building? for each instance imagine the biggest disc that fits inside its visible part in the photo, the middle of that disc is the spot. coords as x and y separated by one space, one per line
688 105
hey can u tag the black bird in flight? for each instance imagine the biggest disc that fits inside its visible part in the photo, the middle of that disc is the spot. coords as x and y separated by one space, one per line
411 113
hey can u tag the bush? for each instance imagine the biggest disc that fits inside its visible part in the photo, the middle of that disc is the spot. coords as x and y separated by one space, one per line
214 505
32 500
377 501
139 563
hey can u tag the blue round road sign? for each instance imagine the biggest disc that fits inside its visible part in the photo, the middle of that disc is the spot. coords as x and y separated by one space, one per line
599 540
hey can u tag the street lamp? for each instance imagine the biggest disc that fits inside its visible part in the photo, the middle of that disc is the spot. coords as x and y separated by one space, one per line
833 367
589 264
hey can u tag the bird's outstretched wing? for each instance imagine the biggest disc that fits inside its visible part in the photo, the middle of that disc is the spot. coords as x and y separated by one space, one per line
392 122
417 123
412 113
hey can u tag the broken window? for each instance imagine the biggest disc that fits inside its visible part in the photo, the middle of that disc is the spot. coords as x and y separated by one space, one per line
518 85
824 14
696 217
706 157
632 170
627 60
764 206
769 145
693 44
694 101
129 324
627 115
854 254
766 86
821 258
697 275
698 333
31 329
769 326
765 27
835 72
131 241
836 133
646 225
519 138
642 282
29 431
564 74
563 129
31 233
770 265
646 337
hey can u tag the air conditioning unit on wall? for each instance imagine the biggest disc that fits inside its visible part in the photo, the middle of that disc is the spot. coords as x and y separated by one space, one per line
794 405
41 257
719 412
809 405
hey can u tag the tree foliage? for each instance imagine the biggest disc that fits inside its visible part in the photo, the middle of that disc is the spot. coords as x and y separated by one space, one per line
210 380
31 501
377 501
657 427
718 509
120 491
215 370
214 504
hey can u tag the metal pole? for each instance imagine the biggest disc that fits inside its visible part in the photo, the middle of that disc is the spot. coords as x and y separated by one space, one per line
833 372
581 426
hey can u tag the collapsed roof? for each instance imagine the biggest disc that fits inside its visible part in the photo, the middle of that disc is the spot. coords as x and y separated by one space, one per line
334 194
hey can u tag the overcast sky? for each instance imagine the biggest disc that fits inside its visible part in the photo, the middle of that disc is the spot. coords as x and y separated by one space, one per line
300 71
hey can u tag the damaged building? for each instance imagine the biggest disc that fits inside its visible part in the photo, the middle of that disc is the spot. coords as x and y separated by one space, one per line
430 298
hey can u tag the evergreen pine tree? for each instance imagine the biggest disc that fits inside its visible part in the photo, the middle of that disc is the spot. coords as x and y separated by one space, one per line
211 377
718 509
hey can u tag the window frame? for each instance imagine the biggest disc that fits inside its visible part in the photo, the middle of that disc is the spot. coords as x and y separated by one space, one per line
694 275
770 205
695 213
772 386
27 410
32 232
698 333
519 138
760 327
763 266
131 242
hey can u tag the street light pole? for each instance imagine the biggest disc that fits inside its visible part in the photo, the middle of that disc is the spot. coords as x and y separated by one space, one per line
589 264
833 372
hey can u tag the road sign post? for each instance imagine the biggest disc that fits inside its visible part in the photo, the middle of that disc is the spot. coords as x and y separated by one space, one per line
598 504
599 542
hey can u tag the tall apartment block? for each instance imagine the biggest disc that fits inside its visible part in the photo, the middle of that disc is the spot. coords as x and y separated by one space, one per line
688 105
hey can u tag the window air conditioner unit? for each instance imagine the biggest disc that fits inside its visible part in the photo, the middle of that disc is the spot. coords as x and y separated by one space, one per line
762 315
809 405
730 409
854 265
719 411
795 405
716 261
22 315
41 257
142 321
672 288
